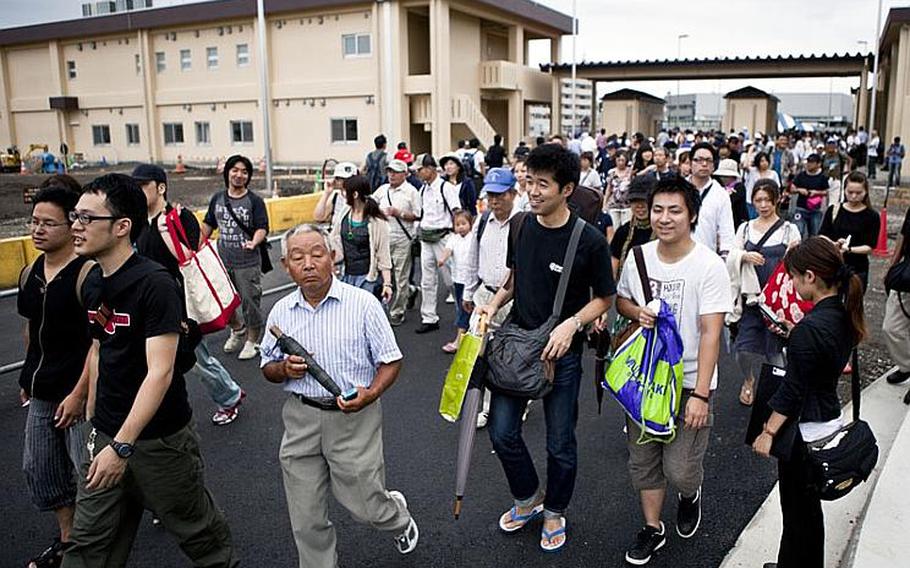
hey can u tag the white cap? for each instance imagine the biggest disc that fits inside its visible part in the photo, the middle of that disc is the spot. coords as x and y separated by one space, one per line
344 170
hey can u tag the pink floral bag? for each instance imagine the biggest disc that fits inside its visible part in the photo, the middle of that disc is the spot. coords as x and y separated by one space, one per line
779 302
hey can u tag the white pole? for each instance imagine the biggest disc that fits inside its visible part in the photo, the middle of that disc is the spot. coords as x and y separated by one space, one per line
679 39
878 22
574 41
264 99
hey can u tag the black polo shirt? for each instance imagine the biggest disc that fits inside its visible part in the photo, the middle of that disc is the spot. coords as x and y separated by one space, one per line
58 334
139 301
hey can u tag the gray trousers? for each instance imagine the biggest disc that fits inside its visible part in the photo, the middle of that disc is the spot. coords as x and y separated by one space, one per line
323 449
248 282
165 476
896 326
51 457
430 253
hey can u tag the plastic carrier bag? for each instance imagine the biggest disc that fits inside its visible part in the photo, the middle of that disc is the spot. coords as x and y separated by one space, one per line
459 375
646 376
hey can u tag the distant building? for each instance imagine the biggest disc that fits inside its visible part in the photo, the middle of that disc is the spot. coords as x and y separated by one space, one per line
112 7
628 110
695 111
579 116
822 111
750 109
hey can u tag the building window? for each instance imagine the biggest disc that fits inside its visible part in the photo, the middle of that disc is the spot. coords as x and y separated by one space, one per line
138 64
203 134
186 60
241 131
101 134
243 55
86 10
132 134
71 69
344 130
211 57
160 61
356 45
173 133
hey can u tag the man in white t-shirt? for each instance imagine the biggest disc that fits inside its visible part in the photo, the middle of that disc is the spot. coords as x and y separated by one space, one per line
693 281
715 219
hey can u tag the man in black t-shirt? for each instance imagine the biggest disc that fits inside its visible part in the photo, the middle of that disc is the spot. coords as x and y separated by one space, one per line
811 187
535 263
142 450
152 179
496 154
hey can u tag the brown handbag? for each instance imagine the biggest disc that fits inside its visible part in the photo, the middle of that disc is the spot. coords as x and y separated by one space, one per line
620 336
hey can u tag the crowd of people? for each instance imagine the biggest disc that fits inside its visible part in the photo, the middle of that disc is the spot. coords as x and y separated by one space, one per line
709 217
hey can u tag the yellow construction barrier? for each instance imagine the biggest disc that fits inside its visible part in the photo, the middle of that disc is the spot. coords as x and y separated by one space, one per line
284 213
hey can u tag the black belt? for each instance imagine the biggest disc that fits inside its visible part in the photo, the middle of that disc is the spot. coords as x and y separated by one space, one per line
327 403
491 288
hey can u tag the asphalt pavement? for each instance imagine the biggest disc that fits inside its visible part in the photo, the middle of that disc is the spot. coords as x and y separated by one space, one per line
243 472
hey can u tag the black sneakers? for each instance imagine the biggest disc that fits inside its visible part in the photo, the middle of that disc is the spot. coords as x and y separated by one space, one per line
426 327
688 515
648 541
897 377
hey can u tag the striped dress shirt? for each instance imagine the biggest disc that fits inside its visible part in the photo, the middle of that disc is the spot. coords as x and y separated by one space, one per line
347 333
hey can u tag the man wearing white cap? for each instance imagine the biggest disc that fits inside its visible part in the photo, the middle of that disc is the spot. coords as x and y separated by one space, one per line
331 204
400 202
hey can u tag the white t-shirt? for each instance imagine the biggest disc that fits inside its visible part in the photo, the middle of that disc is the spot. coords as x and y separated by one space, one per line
461 256
696 285
715 219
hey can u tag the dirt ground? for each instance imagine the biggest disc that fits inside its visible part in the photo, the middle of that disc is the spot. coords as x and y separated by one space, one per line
196 187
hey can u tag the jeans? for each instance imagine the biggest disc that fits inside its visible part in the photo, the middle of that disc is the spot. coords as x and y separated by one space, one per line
561 414
894 175
360 281
871 166
223 389
808 222
461 316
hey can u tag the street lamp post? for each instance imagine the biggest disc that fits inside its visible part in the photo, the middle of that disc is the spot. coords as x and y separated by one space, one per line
679 39
878 21
264 94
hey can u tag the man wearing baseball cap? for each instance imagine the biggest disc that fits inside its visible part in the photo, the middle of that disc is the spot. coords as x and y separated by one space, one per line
331 204
400 202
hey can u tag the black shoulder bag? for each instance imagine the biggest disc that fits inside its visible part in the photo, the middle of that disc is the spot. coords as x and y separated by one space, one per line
843 460
513 353
263 247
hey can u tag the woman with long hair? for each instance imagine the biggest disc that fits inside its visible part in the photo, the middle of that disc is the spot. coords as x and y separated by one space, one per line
760 169
454 174
819 347
856 220
684 163
362 237
643 158
755 344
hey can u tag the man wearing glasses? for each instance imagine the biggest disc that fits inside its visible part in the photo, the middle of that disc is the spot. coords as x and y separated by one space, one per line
53 381
143 452
715 218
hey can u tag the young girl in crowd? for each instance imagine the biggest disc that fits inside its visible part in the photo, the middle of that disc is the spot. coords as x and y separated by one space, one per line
819 347
458 248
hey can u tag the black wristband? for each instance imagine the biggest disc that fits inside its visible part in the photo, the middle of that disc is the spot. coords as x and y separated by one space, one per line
701 397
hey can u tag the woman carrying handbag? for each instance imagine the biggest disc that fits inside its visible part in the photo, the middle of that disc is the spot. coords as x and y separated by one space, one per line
805 406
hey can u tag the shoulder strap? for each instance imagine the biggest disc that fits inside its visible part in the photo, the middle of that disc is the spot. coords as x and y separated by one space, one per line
388 195
482 225
567 263
855 382
643 273
80 279
175 231
445 202
769 233
227 205
834 212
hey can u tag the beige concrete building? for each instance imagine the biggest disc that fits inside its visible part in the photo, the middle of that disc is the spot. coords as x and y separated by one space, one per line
155 84
750 108
628 110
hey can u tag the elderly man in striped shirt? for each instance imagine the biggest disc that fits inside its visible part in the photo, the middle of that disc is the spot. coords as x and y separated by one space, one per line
329 440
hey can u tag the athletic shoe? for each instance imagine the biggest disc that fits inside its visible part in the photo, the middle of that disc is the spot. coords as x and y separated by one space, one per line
898 377
688 515
224 416
648 541
482 419
235 341
450 299
249 351
405 542
395 322
427 327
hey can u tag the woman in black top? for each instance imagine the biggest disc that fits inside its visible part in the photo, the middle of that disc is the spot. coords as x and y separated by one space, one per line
819 347
454 174
854 219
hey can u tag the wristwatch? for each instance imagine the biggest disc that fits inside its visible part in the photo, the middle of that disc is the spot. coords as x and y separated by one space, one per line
123 450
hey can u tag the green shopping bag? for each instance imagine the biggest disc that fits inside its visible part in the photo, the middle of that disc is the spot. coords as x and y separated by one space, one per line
459 375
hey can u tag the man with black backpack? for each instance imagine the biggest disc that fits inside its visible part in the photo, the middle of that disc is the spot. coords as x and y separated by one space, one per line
243 225
550 285
473 162
496 154
375 165
143 452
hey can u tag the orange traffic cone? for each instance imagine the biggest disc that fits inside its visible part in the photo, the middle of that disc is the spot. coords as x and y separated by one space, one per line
881 248
180 169
262 165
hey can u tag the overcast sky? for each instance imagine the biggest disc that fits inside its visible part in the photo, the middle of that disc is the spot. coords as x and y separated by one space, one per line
620 30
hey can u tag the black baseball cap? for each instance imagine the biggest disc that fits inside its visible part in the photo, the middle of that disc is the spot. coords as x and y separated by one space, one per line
149 172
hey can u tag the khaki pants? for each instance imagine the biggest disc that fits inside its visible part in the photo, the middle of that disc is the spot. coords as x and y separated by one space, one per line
164 475
324 449
430 253
896 326
400 249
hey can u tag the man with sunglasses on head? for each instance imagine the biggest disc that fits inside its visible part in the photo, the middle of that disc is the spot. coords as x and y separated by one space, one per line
143 452
715 218
54 381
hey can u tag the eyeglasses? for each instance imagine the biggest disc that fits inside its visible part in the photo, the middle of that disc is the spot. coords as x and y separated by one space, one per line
703 160
35 224
87 219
